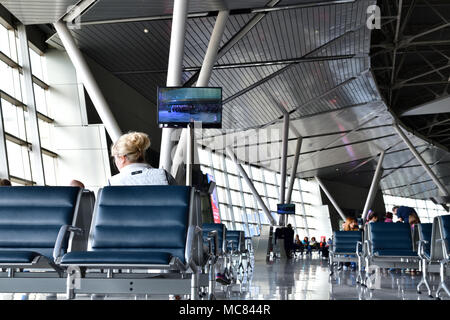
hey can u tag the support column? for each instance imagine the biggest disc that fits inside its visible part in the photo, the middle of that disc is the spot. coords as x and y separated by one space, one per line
284 165
33 136
305 220
330 197
373 187
255 201
174 72
419 158
241 189
227 185
294 170
251 186
89 81
203 80
4 167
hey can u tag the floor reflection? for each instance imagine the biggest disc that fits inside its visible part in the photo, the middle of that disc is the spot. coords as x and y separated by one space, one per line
307 278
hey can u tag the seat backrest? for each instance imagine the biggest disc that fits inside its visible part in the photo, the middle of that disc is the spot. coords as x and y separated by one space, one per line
83 221
221 230
442 232
238 239
143 218
345 241
31 217
390 236
424 231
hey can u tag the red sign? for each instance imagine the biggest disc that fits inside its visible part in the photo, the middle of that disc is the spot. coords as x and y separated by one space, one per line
214 202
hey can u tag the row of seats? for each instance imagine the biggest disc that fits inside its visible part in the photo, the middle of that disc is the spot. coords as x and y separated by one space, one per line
393 245
232 247
140 240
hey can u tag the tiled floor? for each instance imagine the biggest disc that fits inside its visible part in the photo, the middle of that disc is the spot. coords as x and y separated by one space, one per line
305 278
308 279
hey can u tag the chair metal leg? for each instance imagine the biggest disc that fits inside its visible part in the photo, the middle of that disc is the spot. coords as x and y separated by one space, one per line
367 281
212 281
442 285
195 286
424 280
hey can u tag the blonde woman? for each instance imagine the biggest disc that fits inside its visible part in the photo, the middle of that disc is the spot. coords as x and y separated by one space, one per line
129 158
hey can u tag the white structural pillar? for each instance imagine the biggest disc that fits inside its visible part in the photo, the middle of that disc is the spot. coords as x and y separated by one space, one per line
294 170
203 80
419 158
174 72
333 202
251 186
88 80
28 92
373 187
284 165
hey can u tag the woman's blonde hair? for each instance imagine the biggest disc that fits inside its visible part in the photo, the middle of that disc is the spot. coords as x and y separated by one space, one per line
348 222
132 145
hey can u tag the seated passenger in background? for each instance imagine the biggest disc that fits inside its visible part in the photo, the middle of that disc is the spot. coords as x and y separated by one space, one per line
373 217
306 245
76 183
5 183
298 245
350 224
313 243
388 217
406 214
129 157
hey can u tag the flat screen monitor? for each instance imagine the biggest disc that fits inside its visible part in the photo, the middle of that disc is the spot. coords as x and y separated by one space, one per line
287 208
177 107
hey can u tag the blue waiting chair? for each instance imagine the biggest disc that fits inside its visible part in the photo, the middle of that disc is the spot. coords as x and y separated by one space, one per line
388 245
214 236
152 228
346 247
236 249
33 235
424 233
440 249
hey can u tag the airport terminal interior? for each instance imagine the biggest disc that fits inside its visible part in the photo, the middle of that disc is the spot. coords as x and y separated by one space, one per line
298 149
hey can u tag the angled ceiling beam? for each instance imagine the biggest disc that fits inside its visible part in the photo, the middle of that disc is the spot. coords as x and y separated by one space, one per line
330 148
249 64
235 39
264 10
278 72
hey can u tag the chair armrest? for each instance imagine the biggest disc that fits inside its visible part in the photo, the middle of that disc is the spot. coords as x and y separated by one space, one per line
421 249
213 235
368 248
445 248
63 234
230 242
193 231
359 246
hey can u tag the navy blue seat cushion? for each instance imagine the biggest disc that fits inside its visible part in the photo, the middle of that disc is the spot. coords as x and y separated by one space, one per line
9 256
31 217
116 257
391 239
425 230
445 219
142 218
219 227
398 253
345 241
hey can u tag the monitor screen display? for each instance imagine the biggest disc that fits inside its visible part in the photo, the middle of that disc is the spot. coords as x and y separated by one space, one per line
177 107
287 208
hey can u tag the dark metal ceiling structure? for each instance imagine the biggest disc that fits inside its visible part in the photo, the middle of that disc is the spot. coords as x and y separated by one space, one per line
410 58
310 59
